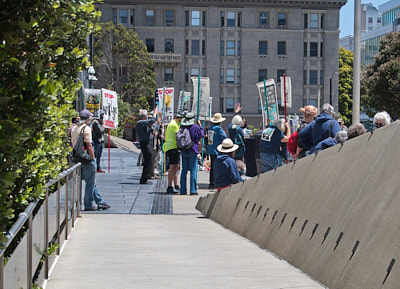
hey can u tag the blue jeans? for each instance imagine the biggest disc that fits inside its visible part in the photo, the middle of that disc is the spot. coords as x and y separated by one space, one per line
270 161
91 192
189 162
98 150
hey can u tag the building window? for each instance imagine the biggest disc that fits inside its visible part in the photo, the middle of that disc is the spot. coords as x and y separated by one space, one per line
187 47
149 44
279 74
186 18
169 45
186 75
238 48
150 17
195 18
222 48
123 16
313 102
203 47
132 17
169 17
259 105
194 72
195 47
263 47
322 21
321 77
281 48
222 78
314 20
115 15
230 19
238 76
282 20
305 20
313 77
222 19
230 75
305 49
230 48
370 20
229 104
304 77
262 74
313 49
379 20
169 74
204 18
239 18
203 72
321 50
263 19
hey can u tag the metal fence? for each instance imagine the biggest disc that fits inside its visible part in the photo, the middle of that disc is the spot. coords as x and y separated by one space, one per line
52 223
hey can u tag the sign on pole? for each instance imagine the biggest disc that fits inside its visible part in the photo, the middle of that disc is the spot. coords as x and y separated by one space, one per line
110 107
92 101
166 99
269 100
184 104
288 86
201 96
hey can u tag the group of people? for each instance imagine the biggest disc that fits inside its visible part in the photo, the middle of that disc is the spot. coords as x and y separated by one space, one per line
225 151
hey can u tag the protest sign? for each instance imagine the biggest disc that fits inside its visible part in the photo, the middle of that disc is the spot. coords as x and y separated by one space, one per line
92 101
184 104
110 108
201 96
288 86
269 100
166 100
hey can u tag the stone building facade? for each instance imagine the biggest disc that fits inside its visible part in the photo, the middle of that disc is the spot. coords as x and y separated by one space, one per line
237 43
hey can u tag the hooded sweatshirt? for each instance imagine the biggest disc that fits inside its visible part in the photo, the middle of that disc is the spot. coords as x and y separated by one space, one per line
225 171
321 128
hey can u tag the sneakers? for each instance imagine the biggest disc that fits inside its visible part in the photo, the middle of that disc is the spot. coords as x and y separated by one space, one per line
177 189
194 194
210 187
145 183
103 206
99 170
170 190
94 208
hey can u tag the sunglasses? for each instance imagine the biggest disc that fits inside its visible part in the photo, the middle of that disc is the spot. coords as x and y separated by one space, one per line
379 124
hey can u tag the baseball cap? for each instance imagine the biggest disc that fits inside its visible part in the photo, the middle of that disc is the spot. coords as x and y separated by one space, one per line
85 114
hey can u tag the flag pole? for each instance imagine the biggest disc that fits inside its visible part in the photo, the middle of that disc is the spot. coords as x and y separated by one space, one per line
266 101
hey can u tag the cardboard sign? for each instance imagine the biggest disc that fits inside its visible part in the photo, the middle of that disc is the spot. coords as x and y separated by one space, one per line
203 99
92 101
269 100
184 104
166 101
288 87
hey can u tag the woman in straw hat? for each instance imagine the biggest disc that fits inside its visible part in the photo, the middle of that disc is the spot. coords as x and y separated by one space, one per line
225 169
215 135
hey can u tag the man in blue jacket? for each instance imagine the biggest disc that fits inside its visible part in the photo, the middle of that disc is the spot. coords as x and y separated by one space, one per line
215 137
323 127
225 169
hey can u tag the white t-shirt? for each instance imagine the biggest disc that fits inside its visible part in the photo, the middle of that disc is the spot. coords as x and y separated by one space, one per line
76 130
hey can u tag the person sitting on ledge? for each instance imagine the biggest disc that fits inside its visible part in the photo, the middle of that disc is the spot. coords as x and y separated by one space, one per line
225 170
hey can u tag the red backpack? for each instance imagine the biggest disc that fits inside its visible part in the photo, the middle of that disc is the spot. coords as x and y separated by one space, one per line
292 143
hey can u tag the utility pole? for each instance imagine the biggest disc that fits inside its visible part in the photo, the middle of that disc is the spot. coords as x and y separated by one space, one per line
357 61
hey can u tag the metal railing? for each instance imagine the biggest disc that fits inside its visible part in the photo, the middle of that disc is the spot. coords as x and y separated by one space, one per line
52 223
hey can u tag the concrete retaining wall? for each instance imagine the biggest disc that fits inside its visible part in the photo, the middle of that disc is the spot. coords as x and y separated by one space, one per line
335 215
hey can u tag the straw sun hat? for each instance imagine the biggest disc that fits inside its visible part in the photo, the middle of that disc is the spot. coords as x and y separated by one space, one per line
227 146
217 118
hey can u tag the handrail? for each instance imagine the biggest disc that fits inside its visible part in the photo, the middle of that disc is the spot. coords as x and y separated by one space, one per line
25 218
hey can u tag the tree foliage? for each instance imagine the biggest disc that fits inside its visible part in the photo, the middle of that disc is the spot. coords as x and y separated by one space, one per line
381 80
122 61
43 48
345 85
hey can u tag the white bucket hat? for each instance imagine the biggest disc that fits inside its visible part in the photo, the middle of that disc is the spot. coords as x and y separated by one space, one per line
217 118
227 146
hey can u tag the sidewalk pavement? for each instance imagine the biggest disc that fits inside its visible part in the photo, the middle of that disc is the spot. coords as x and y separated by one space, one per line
153 240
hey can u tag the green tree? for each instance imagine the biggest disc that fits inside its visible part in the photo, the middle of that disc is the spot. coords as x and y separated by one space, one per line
43 48
345 85
122 61
381 80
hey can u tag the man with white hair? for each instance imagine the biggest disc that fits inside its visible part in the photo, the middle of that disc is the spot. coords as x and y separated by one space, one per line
144 134
381 118
323 127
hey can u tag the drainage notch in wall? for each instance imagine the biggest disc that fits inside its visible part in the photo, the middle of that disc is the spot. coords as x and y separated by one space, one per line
266 213
245 207
292 224
273 217
283 220
237 205
338 240
258 212
314 230
389 269
354 249
326 234
303 227
252 209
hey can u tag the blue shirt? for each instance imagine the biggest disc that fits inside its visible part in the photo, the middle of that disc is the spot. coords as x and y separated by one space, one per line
271 140
215 137
225 171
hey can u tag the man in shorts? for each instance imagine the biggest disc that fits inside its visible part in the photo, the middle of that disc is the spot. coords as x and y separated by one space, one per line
171 149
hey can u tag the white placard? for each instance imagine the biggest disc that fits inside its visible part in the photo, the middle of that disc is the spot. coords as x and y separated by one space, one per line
166 100
184 104
288 92
204 95
110 107
272 109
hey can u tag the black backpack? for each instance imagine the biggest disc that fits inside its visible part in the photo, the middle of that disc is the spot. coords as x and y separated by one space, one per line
183 139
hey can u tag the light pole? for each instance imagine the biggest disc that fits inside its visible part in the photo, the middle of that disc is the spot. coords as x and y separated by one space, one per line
92 77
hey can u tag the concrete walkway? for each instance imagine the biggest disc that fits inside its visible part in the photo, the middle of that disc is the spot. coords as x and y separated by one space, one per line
134 245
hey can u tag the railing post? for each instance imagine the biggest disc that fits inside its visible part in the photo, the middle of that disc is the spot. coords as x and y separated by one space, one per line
66 206
46 234
58 217
1 270
73 198
80 186
29 253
